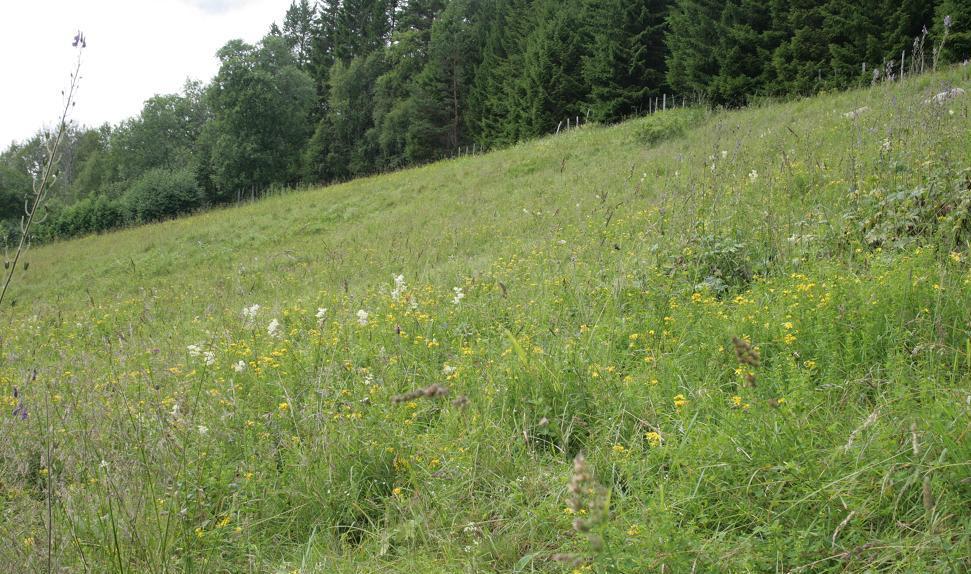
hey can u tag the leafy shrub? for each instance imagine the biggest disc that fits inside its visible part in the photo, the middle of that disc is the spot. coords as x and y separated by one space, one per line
659 127
941 208
90 215
716 263
162 193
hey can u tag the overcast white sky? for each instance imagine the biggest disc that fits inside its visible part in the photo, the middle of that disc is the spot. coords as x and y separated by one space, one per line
136 49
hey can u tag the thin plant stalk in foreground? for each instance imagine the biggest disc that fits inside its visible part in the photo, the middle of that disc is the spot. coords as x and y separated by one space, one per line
41 184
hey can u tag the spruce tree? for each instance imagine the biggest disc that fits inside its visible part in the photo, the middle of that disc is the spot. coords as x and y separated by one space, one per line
801 60
495 97
854 31
744 48
553 87
625 66
299 27
693 27
439 95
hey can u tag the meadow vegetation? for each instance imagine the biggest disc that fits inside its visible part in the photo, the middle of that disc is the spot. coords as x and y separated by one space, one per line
692 342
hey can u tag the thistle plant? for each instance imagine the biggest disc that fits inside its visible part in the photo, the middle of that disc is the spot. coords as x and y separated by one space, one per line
747 355
45 175
917 57
589 503
940 47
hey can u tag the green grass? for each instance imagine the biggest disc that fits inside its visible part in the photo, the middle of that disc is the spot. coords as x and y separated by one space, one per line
605 272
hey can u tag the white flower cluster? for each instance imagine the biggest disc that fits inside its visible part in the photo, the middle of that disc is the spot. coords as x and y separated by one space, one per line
458 295
208 357
399 287
249 315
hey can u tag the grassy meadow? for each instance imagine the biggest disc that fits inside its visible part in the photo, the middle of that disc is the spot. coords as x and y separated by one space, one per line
693 342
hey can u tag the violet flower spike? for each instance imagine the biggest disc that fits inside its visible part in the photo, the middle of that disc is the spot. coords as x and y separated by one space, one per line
21 410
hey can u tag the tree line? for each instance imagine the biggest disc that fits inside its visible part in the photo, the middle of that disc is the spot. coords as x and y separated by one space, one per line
345 88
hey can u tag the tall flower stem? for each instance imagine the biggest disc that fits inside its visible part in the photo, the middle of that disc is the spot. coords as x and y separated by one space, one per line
42 186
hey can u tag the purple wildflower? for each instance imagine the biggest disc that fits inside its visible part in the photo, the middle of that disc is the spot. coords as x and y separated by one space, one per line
21 410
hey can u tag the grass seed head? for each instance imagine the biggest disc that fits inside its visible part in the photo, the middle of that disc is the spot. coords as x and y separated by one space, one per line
430 392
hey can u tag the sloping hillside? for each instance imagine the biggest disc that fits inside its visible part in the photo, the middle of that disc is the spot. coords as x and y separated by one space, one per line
691 342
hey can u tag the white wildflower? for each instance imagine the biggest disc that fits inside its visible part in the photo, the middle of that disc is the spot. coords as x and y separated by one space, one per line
448 370
724 153
399 287
273 328
240 366
362 316
207 356
203 429
459 295
753 176
249 314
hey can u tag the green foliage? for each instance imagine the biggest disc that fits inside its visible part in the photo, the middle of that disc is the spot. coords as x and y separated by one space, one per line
439 94
656 128
339 147
261 102
298 31
693 24
164 135
939 209
715 264
736 50
95 215
360 27
162 194
624 65
552 81
15 185
495 98
747 37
